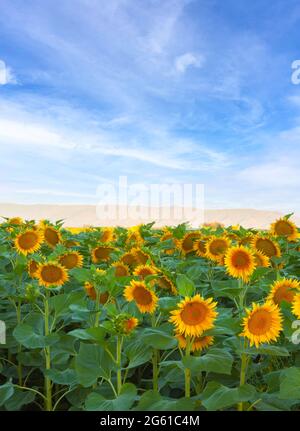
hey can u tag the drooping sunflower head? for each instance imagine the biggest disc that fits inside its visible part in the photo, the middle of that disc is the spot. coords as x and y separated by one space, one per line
121 270
28 241
198 343
168 235
240 262
52 235
284 228
101 253
134 236
284 290
130 324
145 299
92 293
200 247
266 245
163 281
52 274
129 259
262 324
261 260
141 256
71 260
107 234
186 244
296 305
142 271
194 315
216 248
32 268
124 324
246 240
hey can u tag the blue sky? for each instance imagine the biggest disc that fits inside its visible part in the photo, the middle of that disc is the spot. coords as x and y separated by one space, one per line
162 91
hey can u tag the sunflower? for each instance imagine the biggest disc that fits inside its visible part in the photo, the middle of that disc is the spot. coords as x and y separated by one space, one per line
141 256
186 244
145 299
284 228
216 247
92 293
32 268
283 290
130 324
262 324
52 274
266 245
246 240
28 241
101 253
194 315
71 260
200 247
296 305
240 262
261 260
198 343
165 282
71 243
129 259
142 271
107 234
167 235
121 270
134 236
52 235
15 220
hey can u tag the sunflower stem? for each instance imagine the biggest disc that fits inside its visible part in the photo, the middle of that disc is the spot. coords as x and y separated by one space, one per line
48 383
119 364
155 361
19 367
187 371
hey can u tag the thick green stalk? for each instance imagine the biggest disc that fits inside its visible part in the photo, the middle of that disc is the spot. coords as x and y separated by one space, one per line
48 383
155 369
119 363
244 361
187 371
19 367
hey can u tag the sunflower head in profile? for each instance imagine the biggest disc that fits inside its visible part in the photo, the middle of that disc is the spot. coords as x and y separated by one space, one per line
246 240
261 260
145 298
284 228
216 248
266 245
296 305
165 282
72 259
186 244
101 253
28 241
284 290
142 257
52 235
52 274
107 234
16 221
198 343
194 315
240 262
129 259
121 270
262 324
92 293
167 235
32 268
200 247
142 271
134 236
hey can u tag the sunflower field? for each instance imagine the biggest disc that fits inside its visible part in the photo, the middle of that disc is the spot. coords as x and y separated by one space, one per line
106 319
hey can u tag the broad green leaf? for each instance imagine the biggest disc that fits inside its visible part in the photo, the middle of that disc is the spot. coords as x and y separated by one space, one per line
95 334
31 339
215 360
185 286
152 401
290 383
157 338
6 391
65 377
217 396
19 399
137 353
96 402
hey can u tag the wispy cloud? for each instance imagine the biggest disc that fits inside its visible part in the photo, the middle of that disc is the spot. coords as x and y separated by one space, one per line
6 74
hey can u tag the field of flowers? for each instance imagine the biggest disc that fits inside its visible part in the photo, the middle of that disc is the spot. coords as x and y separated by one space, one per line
149 319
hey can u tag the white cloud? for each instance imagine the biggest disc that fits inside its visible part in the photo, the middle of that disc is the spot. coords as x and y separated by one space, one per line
188 59
6 75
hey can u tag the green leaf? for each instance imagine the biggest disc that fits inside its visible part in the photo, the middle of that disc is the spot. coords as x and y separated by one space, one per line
94 334
215 360
96 402
91 363
152 401
290 383
185 286
30 338
225 289
65 377
137 354
61 303
19 399
6 391
157 338
217 396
